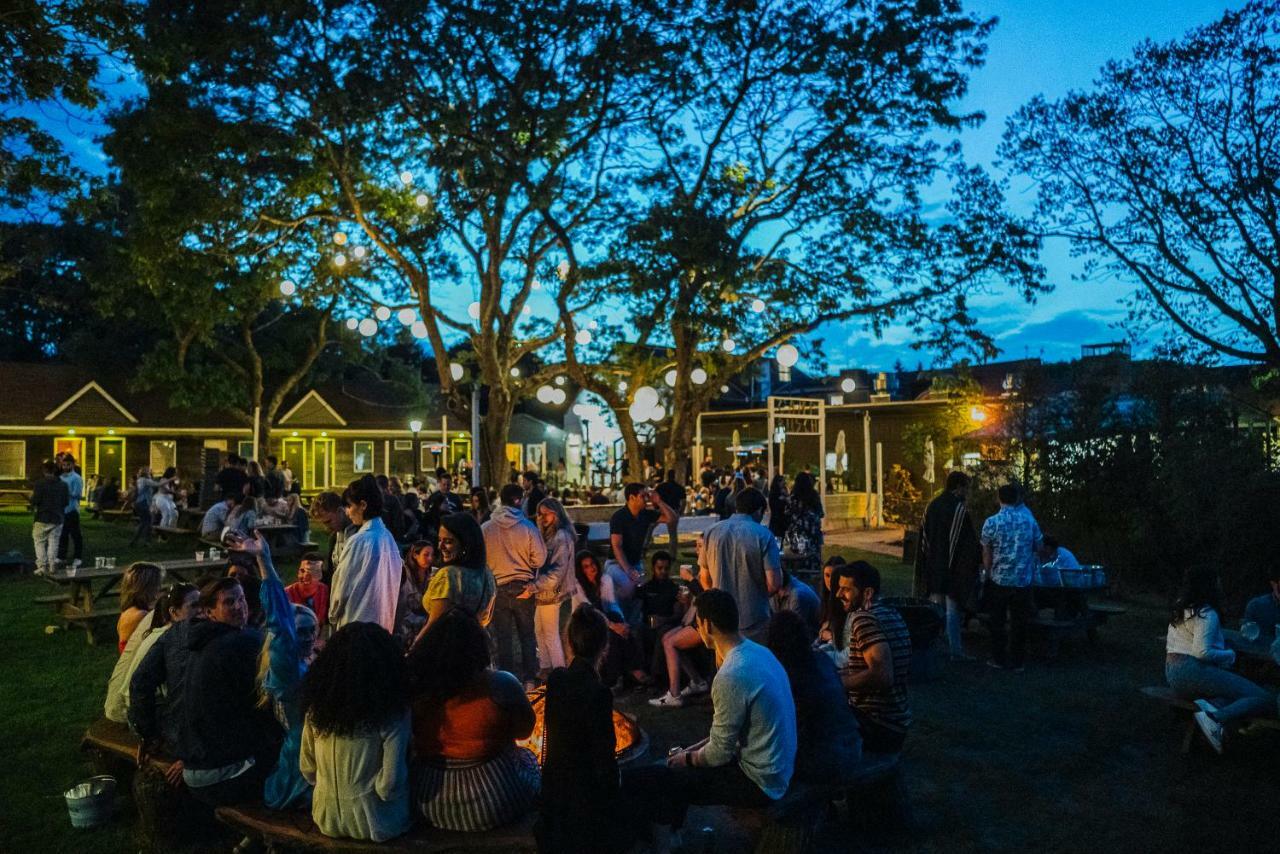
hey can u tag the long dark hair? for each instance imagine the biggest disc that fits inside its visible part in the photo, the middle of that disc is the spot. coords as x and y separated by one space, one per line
829 606
470 539
777 487
479 492
451 655
356 682
788 639
590 590
171 598
1200 590
804 492
364 489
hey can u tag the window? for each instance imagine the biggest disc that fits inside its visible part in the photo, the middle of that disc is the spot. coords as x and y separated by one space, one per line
13 460
362 457
403 444
164 453
216 444
245 448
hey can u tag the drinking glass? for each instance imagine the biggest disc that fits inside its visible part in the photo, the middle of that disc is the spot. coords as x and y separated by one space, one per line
1249 630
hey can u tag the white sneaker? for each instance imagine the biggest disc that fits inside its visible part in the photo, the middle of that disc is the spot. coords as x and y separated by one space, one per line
667 701
1212 730
695 688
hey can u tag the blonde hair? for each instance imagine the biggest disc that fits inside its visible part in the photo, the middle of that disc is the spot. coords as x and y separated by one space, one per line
563 522
140 586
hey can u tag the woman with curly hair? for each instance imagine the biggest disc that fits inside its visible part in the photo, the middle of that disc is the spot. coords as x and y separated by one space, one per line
355 738
466 720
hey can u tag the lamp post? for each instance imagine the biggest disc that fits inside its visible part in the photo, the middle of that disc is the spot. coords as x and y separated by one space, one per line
415 426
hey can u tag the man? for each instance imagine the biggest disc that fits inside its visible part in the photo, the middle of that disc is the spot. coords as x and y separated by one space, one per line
658 600
628 532
741 556
215 518
795 595
1264 610
439 504
392 509
327 509
750 754
948 558
275 487
879 661
309 590
1010 540
49 499
227 742
597 497
70 534
673 495
1055 555
533 493
515 552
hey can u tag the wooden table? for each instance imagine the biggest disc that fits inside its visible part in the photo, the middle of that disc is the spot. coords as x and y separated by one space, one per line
283 539
1253 658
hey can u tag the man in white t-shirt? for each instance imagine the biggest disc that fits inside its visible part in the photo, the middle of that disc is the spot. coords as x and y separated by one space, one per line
1056 556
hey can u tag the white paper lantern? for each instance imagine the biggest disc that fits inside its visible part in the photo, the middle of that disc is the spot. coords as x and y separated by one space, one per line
639 412
592 325
473 311
419 329
421 200
288 288
724 389
648 395
382 313
583 337
368 327
515 372
562 270
359 252
847 385
670 378
622 385
455 371
728 345
405 316
657 413
526 310
340 237
537 286
406 178
698 375
339 260
558 397
545 393
560 380
788 355
352 323
757 305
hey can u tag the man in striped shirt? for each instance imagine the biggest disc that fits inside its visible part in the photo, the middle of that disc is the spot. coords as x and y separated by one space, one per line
875 676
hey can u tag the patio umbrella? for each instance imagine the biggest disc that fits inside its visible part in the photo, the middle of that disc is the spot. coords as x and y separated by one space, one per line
842 454
929 476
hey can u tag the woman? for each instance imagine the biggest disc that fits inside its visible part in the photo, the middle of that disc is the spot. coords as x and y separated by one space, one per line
581 808
286 654
176 604
464 580
366 580
778 506
356 734
163 501
466 720
257 480
626 656
1196 660
144 490
296 515
243 518
411 614
828 744
139 590
555 582
802 541
478 504
829 608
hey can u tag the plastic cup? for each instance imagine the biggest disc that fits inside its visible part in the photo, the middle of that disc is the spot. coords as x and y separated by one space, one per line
200 556
1249 630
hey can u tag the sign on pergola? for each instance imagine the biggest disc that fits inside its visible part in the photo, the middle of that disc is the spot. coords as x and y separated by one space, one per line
797 416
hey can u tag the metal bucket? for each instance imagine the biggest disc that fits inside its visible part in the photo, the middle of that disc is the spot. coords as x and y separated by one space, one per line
90 803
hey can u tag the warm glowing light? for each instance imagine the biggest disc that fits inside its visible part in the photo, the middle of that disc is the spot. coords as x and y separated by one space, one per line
71 432
295 432
405 316
788 355
757 305
339 260
639 412
622 385
352 323
415 425
515 372
537 286
648 396
729 345
670 378
698 375
558 396
368 327
406 178
724 389
657 413
592 325
977 414
562 270
340 237
111 432
545 393
560 380
847 385
288 288
422 200
526 310
359 252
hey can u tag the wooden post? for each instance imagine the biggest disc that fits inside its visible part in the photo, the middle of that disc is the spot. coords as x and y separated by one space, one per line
879 485
866 466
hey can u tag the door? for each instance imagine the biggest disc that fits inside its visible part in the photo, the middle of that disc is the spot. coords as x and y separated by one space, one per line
321 463
73 445
110 460
294 452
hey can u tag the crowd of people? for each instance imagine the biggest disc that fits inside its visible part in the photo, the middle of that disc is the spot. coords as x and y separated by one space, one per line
382 688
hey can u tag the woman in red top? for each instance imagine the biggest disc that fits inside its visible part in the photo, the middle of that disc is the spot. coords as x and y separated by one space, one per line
466 719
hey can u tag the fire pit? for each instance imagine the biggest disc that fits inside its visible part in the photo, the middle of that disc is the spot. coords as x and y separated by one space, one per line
631 742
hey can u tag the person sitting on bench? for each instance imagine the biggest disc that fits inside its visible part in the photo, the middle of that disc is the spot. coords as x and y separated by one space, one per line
175 605
749 757
1264 610
1054 555
875 673
1196 660
215 519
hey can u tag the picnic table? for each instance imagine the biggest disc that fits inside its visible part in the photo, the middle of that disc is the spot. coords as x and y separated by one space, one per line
84 603
1253 658
283 539
1075 606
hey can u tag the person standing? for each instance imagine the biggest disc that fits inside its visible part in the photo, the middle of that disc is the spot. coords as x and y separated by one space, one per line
948 557
672 495
70 534
439 504
555 582
327 509
802 541
1010 540
778 506
144 489
515 552
366 582
628 531
49 500
741 557
533 493
275 481
392 509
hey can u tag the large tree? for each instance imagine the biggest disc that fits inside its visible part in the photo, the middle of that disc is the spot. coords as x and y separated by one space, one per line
1166 173
784 175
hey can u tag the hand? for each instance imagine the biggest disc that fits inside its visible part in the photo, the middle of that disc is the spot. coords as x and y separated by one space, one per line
622 630
679 760
173 775
526 593
686 573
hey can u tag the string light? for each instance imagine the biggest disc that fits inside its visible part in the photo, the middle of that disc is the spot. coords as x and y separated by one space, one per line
419 329
368 327
670 378
352 323
455 371
757 305
583 337
422 200
847 385
339 260
560 380
359 252
382 313
473 311
406 178
728 345
698 375
405 316
340 237
288 288
515 372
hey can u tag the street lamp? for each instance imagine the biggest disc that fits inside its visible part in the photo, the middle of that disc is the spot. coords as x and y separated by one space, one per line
415 426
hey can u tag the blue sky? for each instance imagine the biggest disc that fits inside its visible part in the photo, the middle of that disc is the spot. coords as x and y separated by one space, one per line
1044 47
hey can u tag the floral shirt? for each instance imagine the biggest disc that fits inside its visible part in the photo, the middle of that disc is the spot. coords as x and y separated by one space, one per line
1014 538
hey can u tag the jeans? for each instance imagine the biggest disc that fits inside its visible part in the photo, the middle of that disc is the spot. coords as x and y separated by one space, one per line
662 795
512 615
71 537
1009 649
46 536
879 737
624 588
1198 680
546 626
955 620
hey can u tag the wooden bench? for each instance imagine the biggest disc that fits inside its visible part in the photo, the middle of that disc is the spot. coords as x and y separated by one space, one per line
178 533
873 795
295 831
116 515
1164 694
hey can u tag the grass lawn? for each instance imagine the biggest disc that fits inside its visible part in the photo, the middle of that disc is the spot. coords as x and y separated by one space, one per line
1064 757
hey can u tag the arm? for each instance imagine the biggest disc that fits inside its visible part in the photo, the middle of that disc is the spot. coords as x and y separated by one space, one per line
282 650
726 725
307 753
879 673
772 564
615 542
537 550
146 681
509 694
394 774
665 513
986 557
1207 641
559 558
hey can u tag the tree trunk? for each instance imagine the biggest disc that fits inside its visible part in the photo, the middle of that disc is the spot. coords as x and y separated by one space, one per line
494 428
679 448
